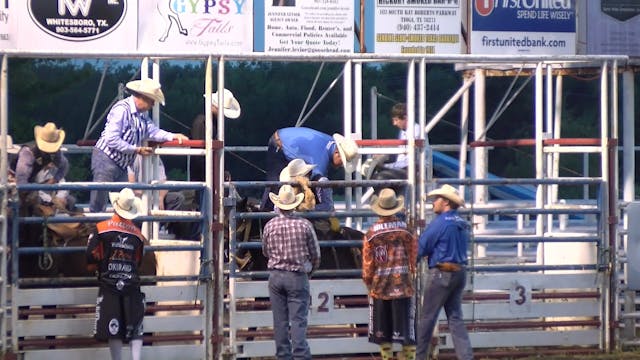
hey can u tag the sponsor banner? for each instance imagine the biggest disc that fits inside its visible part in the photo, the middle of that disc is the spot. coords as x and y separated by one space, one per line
196 26
541 27
417 27
309 26
75 25
613 27
8 25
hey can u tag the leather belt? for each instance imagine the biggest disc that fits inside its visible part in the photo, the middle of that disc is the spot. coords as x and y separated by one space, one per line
276 140
448 267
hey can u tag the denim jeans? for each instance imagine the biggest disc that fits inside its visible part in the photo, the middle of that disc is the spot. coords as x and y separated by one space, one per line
289 295
104 170
443 289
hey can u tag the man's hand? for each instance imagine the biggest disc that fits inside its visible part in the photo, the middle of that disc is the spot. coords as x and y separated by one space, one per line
144 150
180 138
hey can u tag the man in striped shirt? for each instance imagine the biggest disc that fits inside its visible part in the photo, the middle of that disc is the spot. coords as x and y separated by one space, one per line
291 245
128 126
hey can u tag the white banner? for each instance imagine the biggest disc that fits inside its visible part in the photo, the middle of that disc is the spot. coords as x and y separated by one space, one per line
308 26
8 25
612 27
75 25
429 27
196 26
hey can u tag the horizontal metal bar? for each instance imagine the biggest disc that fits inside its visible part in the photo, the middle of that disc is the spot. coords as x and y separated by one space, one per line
75 249
308 214
167 185
323 243
85 219
534 239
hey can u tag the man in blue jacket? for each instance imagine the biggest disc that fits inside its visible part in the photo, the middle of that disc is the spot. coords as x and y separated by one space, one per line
312 146
444 242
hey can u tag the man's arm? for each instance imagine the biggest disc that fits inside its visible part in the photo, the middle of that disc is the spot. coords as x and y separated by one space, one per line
62 166
24 166
314 247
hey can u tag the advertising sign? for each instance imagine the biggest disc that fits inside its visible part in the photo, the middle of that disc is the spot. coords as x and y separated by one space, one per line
75 25
612 27
541 27
417 27
308 26
8 25
196 26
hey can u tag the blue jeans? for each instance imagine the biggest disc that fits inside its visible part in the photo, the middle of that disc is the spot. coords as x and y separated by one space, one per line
443 289
104 170
289 295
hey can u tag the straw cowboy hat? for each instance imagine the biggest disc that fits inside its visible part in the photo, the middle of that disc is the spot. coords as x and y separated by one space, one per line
286 199
125 203
11 147
448 192
147 87
48 137
296 167
348 150
231 108
387 203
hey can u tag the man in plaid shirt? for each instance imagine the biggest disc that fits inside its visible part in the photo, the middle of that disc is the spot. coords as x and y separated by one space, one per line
388 269
291 245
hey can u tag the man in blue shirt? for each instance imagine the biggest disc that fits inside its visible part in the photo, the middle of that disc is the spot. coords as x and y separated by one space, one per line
128 126
312 146
444 242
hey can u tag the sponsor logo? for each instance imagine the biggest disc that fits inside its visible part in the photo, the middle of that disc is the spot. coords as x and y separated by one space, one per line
114 326
77 20
484 7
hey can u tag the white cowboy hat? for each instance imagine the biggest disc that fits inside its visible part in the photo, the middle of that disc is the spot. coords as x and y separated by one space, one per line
231 105
449 192
371 164
147 87
11 147
125 203
296 167
348 150
286 199
48 137
387 203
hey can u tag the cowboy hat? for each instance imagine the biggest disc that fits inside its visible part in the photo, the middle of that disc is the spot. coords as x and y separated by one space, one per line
371 164
48 137
286 199
231 105
147 87
125 203
348 150
387 203
11 147
448 192
296 167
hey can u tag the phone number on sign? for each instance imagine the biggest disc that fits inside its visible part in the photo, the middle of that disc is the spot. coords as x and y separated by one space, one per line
77 30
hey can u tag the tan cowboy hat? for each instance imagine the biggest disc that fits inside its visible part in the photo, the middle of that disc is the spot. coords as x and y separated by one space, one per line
287 198
231 105
147 87
125 203
387 203
348 150
296 167
48 137
11 147
448 192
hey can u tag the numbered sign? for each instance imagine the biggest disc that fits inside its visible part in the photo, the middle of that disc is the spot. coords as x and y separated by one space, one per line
520 297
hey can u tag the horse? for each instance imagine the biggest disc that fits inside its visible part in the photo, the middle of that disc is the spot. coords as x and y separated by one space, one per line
170 16
56 235
331 257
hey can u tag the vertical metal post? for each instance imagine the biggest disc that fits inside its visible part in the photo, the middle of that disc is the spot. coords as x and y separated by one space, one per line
411 140
374 112
464 134
479 164
3 206
548 157
218 195
608 282
357 117
422 121
628 135
347 120
539 164
152 167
